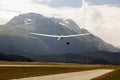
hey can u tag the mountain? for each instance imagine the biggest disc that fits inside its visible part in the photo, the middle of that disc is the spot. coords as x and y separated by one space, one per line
5 57
95 57
15 37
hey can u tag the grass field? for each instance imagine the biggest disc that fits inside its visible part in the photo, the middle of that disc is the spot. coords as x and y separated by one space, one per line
111 76
52 68
23 63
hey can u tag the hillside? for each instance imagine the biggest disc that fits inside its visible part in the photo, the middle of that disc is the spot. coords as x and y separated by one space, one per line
5 57
96 57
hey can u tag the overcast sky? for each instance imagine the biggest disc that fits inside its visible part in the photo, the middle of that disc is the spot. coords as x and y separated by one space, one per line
75 3
101 17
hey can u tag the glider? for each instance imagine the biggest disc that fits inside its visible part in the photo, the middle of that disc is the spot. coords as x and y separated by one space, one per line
59 37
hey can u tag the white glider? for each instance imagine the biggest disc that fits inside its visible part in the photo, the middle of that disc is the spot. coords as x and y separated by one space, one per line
58 37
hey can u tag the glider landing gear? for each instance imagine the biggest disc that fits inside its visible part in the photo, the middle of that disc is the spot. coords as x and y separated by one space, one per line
67 43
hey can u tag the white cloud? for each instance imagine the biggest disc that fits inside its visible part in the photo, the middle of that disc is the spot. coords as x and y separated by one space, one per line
103 21
41 1
110 27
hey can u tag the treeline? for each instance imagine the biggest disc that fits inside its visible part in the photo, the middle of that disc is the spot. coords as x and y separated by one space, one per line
97 57
5 57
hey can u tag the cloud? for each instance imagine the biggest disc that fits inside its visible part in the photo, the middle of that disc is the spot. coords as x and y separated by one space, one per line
103 21
89 16
41 1
110 27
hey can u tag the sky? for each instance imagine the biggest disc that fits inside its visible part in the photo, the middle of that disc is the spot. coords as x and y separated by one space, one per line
100 17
